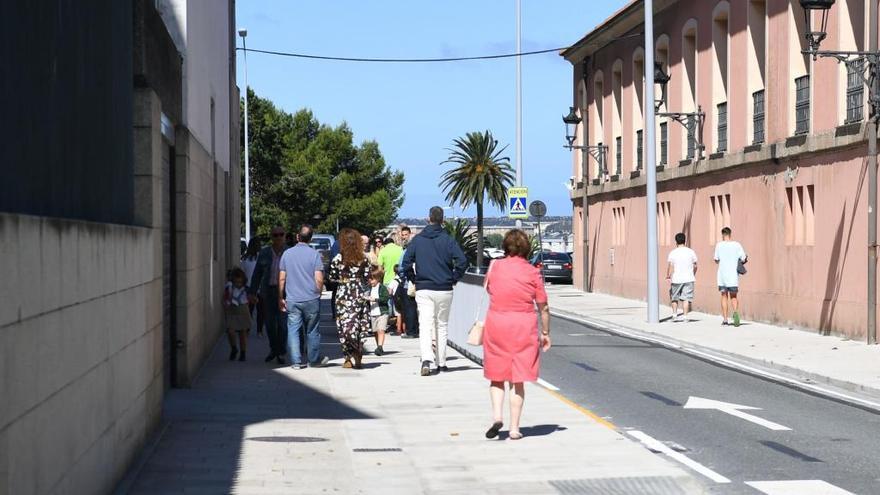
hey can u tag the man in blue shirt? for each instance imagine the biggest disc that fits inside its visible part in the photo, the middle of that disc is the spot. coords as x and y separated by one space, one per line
301 278
434 262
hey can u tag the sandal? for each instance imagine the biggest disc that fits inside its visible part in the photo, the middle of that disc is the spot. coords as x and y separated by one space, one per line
492 432
515 435
347 363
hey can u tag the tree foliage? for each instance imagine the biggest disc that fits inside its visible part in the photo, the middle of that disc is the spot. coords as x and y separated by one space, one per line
494 240
303 171
460 231
478 173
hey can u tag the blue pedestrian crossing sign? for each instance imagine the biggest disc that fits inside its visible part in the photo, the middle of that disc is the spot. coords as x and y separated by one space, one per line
517 199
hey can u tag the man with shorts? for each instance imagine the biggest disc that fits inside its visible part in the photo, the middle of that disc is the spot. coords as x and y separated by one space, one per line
728 254
680 270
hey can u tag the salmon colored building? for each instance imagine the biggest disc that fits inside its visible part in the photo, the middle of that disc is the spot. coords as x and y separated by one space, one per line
784 164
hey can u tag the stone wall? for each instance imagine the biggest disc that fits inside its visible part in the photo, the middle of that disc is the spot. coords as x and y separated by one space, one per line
80 347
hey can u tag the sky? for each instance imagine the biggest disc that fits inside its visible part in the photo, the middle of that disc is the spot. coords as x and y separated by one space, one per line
414 111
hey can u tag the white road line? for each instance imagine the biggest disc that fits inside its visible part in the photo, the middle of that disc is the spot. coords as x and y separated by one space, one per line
657 446
576 334
727 362
547 385
733 410
797 487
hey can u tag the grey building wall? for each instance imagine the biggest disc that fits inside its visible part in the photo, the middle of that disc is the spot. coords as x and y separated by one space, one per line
93 310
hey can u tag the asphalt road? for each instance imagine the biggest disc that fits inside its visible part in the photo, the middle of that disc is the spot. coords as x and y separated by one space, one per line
643 387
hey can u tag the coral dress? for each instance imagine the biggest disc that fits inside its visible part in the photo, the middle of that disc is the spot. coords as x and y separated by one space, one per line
511 350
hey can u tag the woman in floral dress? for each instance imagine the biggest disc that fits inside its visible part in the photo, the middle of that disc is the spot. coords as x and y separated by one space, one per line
351 270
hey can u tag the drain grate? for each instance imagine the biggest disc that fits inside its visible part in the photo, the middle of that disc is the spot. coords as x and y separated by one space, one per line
287 439
387 449
644 485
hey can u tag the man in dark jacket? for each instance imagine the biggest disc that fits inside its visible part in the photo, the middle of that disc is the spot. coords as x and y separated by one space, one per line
435 263
265 284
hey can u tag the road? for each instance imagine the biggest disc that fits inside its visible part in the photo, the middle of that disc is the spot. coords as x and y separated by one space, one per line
642 389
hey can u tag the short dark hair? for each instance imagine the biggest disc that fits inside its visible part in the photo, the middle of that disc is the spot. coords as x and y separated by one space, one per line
725 231
435 215
305 233
405 228
516 243
680 238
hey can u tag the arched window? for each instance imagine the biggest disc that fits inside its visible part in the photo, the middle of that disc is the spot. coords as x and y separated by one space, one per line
617 115
638 96
851 28
688 78
720 35
597 120
799 69
756 70
661 133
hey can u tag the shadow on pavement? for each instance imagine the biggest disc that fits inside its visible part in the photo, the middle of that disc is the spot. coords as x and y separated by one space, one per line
534 431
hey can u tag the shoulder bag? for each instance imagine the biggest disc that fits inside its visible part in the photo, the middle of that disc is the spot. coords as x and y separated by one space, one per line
475 335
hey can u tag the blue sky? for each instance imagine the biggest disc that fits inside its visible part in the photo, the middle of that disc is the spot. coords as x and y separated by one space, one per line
415 110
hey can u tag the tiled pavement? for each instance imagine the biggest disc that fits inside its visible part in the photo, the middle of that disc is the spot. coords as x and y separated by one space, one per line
252 428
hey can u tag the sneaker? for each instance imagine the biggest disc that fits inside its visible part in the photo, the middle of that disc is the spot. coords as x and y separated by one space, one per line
321 362
233 353
426 368
735 319
724 323
379 351
269 357
676 318
443 368
241 356
279 360
298 366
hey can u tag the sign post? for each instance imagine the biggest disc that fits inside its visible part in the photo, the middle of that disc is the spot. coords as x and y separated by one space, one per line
517 199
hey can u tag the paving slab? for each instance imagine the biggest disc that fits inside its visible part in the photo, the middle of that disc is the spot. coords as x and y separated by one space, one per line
254 428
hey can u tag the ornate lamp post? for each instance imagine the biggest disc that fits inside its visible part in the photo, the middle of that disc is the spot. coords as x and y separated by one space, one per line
691 121
870 59
598 152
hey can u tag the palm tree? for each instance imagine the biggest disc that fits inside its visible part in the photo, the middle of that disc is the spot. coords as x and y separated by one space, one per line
479 173
460 231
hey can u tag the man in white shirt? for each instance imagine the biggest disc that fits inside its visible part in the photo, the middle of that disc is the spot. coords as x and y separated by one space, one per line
728 254
680 271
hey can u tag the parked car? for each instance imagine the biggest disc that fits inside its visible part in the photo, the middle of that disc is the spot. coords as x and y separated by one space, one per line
556 267
322 243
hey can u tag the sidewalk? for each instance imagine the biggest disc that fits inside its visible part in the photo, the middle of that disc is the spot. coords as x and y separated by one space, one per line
252 428
843 369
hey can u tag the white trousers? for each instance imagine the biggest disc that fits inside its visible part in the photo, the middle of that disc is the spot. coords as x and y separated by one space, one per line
433 308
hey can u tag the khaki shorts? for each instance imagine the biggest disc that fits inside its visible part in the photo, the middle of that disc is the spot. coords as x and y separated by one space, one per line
682 292
379 323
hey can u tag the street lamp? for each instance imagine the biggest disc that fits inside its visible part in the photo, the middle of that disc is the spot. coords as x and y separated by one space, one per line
814 36
247 168
572 120
691 121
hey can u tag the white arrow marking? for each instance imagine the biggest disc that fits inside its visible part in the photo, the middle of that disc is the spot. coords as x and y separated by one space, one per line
656 446
733 410
797 487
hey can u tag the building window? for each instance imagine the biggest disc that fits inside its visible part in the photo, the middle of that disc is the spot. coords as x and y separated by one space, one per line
719 216
758 119
802 105
601 162
618 164
722 127
855 90
619 226
664 223
691 136
639 149
799 216
664 142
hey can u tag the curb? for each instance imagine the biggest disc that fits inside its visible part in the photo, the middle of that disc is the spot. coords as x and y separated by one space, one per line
811 383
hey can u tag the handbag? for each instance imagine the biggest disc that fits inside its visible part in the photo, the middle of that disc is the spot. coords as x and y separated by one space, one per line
475 335
741 267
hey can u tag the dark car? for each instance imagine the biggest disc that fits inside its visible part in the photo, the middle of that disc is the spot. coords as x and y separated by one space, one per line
556 267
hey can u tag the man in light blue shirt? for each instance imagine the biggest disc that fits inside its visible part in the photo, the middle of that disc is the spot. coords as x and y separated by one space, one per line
301 279
728 254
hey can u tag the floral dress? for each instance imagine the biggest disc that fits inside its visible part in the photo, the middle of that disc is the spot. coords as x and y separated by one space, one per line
352 308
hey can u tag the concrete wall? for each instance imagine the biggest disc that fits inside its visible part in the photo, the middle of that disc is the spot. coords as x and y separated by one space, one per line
806 269
80 346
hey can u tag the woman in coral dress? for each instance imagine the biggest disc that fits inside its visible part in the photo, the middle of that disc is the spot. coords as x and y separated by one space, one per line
511 344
